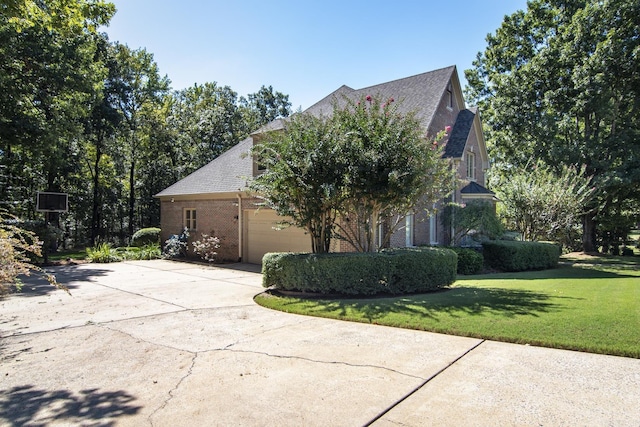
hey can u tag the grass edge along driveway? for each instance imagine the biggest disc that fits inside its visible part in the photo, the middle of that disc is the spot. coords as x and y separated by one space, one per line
589 304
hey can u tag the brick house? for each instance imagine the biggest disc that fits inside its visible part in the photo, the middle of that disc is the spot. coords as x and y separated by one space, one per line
214 199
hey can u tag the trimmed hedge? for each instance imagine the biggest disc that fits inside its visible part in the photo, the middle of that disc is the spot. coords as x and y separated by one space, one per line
469 260
395 271
520 256
146 236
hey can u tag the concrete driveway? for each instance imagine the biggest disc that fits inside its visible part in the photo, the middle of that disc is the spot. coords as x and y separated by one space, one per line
161 343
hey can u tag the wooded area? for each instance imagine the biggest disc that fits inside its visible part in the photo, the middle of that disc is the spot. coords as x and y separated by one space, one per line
97 119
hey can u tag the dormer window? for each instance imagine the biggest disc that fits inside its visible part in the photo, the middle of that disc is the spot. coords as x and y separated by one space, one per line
449 96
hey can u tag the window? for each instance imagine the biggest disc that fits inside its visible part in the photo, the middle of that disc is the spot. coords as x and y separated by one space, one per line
190 219
433 237
408 230
449 96
471 166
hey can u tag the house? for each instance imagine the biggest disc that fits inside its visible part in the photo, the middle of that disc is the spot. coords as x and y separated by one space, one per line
214 199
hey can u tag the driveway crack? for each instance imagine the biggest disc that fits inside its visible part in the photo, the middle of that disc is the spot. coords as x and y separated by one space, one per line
171 394
353 365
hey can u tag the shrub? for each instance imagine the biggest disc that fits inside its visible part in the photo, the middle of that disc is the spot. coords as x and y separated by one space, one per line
469 261
520 256
626 251
146 252
394 271
176 245
146 236
206 247
103 253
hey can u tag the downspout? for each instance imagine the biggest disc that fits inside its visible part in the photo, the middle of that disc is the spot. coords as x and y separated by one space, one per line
240 237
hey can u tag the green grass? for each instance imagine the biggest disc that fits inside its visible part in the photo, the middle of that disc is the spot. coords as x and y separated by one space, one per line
75 254
591 305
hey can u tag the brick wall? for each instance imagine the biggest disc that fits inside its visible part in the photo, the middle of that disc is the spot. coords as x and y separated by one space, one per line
214 217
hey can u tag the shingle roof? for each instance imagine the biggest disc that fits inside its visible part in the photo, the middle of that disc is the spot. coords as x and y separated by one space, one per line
229 172
460 133
226 173
475 188
420 94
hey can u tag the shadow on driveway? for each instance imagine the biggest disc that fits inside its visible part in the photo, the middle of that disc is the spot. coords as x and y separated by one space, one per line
27 405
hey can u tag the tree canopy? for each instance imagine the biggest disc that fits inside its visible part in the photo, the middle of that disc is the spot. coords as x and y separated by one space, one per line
96 119
560 83
346 175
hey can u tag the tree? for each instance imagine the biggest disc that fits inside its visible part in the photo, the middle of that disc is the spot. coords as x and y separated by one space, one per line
364 166
559 82
303 178
392 170
263 107
140 93
541 204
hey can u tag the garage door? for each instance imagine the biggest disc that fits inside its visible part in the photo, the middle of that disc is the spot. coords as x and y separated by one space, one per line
261 237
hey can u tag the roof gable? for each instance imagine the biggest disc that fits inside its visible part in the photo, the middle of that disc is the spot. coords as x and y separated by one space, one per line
420 94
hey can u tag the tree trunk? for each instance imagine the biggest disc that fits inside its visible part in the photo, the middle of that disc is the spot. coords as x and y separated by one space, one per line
589 233
132 197
95 212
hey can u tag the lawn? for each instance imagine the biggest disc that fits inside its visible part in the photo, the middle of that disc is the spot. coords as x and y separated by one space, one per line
588 304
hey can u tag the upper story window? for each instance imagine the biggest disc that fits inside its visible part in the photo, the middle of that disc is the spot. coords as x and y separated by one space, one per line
190 219
449 96
471 166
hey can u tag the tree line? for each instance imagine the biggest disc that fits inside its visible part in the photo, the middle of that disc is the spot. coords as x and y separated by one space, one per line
82 115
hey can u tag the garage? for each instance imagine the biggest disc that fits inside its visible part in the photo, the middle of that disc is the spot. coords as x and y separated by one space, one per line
261 236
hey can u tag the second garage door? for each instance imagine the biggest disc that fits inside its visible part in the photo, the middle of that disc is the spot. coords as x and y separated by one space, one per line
261 236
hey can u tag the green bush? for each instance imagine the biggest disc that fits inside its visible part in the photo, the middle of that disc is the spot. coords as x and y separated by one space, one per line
520 256
469 261
394 271
103 253
145 252
146 236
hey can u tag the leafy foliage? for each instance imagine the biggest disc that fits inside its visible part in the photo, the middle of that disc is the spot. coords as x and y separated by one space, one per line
103 253
559 83
17 247
389 272
366 164
146 236
470 261
96 119
520 256
476 219
542 204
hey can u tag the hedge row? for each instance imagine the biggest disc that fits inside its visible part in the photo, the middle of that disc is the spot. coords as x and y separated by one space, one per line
470 261
395 271
520 256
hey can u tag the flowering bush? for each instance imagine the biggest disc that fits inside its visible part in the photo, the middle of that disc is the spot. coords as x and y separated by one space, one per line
176 245
206 247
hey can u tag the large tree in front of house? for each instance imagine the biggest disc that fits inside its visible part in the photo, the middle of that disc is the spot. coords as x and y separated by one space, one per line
345 175
560 82
303 178
392 170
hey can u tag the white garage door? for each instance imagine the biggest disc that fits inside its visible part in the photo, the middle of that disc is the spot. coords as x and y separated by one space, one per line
262 237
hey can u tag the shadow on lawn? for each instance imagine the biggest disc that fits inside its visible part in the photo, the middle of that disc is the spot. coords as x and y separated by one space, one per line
562 272
27 405
455 302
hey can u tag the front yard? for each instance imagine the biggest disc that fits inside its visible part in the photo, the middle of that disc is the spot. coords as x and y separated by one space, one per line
588 304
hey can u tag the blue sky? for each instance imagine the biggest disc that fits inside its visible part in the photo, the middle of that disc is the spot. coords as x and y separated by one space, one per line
306 49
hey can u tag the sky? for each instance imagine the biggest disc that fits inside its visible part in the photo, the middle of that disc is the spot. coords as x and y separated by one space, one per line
306 49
